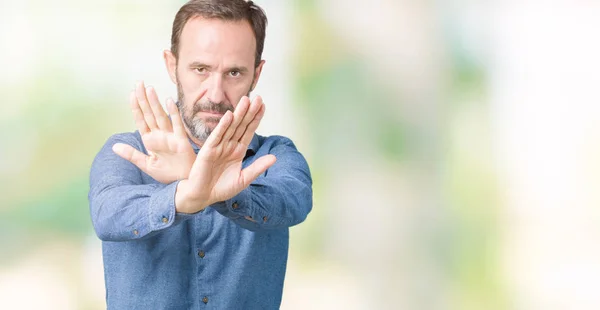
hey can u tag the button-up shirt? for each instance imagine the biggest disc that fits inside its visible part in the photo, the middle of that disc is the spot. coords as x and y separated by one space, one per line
232 255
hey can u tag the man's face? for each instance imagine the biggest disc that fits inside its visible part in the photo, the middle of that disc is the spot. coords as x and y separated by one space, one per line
214 71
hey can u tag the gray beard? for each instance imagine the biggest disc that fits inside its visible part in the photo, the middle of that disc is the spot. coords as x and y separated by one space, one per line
196 126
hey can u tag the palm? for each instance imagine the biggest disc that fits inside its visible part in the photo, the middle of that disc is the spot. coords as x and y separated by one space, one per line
217 173
170 155
230 180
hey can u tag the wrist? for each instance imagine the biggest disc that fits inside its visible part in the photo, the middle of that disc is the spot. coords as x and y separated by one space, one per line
185 202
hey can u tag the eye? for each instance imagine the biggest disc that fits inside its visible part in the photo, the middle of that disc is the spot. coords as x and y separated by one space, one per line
200 70
234 73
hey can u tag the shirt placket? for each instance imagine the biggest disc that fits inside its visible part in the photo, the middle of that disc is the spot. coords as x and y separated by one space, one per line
202 258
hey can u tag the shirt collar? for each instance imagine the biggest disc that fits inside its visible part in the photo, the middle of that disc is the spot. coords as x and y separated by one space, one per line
252 147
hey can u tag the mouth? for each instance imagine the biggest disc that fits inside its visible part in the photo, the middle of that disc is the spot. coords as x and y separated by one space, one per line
212 113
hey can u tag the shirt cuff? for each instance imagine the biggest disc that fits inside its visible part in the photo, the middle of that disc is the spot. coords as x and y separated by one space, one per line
236 207
161 209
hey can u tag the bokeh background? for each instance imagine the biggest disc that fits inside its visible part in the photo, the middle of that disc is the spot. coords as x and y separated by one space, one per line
454 145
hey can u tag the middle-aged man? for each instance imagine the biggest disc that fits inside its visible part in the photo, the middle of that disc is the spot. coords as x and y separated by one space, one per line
194 209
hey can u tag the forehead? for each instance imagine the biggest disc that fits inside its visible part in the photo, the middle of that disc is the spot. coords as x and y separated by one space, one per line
214 39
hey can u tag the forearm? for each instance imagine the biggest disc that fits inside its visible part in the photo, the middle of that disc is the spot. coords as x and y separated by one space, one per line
130 212
270 205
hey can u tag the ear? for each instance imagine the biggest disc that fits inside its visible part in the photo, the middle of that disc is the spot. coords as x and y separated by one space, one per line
257 74
171 64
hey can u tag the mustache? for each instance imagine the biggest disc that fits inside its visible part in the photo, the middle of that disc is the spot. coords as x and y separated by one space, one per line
212 107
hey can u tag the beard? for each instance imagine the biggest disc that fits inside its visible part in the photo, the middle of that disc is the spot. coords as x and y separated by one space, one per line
199 128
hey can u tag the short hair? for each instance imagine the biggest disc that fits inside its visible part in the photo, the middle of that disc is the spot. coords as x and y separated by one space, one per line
227 10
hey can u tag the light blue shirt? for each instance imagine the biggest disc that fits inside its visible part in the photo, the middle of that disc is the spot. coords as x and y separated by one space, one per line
157 258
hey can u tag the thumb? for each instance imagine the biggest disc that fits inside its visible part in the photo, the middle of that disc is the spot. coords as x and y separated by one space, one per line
130 154
258 167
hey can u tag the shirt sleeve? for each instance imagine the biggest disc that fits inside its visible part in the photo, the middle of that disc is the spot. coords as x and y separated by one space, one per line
122 207
279 198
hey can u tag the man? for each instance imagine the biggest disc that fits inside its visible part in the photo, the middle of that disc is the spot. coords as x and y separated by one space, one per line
194 208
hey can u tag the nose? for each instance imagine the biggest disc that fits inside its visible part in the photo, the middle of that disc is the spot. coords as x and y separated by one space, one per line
215 92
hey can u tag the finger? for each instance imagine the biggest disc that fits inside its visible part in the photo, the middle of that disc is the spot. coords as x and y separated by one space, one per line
238 115
129 153
140 93
138 116
257 168
251 129
176 120
159 113
252 111
217 134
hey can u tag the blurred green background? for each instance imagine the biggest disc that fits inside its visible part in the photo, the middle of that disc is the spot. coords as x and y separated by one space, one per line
453 145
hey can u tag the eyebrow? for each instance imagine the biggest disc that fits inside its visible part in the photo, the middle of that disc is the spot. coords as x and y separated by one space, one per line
197 64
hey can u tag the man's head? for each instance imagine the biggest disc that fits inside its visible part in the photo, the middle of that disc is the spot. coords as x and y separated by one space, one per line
215 59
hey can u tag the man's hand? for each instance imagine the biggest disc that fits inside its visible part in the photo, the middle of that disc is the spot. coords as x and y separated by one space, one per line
217 173
170 154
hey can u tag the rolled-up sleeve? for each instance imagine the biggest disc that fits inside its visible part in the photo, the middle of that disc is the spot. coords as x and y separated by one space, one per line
122 208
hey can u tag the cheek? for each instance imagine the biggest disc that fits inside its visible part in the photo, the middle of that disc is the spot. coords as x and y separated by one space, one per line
189 82
235 92
191 86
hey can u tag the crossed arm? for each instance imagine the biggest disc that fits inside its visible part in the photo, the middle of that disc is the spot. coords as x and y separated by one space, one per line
124 208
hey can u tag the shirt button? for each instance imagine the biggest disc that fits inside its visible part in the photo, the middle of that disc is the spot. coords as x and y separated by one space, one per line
136 232
205 300
264 219
201 254
165 220
235 205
